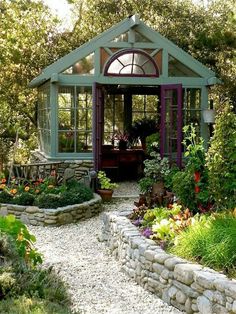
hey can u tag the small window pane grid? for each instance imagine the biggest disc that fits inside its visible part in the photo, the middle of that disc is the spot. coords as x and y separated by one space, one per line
44 114
132 63
143 106
171 118
84 66
74 119
113 117
192 108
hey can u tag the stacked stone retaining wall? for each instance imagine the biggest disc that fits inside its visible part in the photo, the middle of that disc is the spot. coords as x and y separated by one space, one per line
36 216
189 287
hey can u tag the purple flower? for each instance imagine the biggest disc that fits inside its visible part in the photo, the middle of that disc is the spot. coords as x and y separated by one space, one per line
137 222
147 232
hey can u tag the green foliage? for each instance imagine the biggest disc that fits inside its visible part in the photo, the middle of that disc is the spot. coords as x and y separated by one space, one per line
152 142
105 182
168 179
145 184
156 168
195 152
191 184
142 128
24 198
48 201
221 158
183 187
31 305
5 197
23 238
210 241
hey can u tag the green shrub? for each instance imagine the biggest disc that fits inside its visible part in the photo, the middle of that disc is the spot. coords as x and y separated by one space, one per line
5 197
23 238
48 201
183 187
152 142
221 158
210 241
27 305
145 184
24 198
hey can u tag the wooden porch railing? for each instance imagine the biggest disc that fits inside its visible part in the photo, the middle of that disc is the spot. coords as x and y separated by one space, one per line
36 171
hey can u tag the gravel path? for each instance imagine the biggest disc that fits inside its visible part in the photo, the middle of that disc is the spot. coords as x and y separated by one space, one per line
95 281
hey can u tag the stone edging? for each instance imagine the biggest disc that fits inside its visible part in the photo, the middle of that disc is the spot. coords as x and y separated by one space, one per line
33 215
189 287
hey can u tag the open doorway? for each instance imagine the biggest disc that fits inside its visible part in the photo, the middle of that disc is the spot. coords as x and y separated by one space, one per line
125 109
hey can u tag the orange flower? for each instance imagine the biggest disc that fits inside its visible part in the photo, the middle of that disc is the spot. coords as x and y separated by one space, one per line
27 188
13 191
4 180
37 191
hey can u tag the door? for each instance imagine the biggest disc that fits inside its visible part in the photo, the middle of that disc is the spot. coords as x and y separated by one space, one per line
98 121
171 123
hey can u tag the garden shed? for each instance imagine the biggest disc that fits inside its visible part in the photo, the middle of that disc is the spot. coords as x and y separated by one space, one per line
128 73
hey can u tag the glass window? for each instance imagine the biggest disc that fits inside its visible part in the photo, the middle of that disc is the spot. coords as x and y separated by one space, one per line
131 63
84 66
178 69
192 107
44 118
74 119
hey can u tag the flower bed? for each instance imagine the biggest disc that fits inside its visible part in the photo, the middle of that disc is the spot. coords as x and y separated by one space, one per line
189 287
36 216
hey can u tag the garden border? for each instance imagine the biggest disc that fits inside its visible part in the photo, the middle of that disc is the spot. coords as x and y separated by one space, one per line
33 215
189 287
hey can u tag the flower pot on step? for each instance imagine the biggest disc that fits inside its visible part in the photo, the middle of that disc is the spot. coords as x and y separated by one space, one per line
106 195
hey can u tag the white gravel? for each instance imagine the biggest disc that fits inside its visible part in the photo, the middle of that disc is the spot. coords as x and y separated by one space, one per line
95 281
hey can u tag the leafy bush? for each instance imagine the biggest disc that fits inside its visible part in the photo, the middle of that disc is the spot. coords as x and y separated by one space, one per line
24 198
221 158
156 168
5 197
28 305
48 201
183 187
152 142
211 241
22 237
145 184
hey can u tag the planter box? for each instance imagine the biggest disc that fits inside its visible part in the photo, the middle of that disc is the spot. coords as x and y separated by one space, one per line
189 287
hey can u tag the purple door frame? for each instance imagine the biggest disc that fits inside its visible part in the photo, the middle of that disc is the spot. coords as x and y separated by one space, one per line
164 89
98 119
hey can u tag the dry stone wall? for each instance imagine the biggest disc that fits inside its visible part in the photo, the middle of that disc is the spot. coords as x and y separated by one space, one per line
33 215
189 287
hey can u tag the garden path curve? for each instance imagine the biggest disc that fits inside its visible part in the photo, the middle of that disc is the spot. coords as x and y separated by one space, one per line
95 280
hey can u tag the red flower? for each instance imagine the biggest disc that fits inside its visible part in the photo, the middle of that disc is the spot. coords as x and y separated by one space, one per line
197 189
197 176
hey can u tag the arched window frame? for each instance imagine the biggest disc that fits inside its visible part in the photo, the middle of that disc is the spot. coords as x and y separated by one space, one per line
133 51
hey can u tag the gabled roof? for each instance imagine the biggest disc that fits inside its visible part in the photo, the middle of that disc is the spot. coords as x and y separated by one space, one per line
102 39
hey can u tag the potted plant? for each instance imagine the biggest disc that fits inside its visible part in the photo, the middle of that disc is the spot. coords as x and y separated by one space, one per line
142 128
122 139
106 187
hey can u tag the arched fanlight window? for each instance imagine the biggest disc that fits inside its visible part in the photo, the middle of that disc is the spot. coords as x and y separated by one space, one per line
131 63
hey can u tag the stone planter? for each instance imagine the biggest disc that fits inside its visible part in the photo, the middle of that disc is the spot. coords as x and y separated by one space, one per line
191 288
32 215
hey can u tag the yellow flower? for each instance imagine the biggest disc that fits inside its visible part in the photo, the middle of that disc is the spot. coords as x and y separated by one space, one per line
51 186
27 188
20 237
2 186
13 191
37 191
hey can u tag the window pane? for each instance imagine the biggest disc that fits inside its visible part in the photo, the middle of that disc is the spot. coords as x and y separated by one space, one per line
66 97
115 67
84 66
66 141
178 69
66 119
126 59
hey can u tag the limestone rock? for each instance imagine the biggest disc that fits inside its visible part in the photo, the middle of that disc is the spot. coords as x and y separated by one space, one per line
32 209
170 263
181 297
184 272
204 305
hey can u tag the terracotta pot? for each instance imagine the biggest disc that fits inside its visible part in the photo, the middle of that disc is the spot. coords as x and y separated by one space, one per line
106 195
158 189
